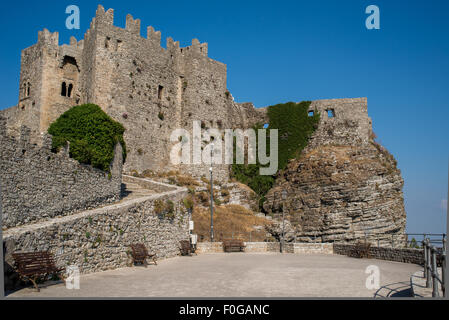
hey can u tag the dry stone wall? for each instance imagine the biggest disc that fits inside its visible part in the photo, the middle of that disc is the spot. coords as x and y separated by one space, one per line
38 184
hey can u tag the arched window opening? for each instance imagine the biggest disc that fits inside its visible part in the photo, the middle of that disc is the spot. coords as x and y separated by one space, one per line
69 92
64 89
28 89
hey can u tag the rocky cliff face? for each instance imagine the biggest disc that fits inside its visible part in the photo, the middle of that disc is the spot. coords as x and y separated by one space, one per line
341 193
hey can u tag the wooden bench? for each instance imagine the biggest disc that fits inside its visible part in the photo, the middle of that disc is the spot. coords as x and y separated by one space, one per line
32 265
233 245
186 249
140 254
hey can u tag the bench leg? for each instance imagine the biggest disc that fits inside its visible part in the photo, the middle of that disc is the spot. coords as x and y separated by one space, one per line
33 280
61 276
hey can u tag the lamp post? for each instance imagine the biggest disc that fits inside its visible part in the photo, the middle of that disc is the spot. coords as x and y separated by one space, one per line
189 211
284 197
211 195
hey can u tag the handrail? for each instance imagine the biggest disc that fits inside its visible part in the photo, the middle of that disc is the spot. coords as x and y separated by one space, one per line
431 267
424 237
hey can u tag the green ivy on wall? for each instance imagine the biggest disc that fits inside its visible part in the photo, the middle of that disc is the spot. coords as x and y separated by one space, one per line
92 135
295 127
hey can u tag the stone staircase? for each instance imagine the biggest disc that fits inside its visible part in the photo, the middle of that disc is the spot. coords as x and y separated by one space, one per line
132 190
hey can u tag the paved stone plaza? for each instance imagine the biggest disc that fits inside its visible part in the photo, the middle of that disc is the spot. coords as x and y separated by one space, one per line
241 275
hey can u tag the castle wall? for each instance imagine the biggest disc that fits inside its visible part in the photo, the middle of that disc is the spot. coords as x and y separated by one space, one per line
61 67
350 124
128 71
153 91
38 184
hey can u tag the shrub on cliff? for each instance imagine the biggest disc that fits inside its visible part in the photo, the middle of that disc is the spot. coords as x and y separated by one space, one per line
92 135
295 127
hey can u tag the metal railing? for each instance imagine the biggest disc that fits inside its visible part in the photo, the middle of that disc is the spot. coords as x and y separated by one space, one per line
433 279
436 238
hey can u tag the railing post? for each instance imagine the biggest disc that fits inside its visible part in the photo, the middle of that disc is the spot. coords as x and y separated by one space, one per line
428 275
424 245
443 271
443 268
435 292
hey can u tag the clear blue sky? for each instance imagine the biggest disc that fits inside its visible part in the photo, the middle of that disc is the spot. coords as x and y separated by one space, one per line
279 51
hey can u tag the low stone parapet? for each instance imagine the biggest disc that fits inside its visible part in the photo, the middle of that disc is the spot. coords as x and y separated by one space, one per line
255 247
407 255
326 248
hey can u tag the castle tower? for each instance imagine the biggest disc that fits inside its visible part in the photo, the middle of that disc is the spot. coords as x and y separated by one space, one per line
151 90
48 81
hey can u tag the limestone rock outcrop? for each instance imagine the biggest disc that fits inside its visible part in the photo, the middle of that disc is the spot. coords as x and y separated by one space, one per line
342 193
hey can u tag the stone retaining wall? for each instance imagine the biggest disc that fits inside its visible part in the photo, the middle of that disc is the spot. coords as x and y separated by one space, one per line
407 255
99 239
38 184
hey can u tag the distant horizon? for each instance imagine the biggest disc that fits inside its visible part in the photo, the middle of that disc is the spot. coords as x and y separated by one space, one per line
296 51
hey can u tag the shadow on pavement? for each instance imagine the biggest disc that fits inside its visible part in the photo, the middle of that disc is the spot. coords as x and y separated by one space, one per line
394 290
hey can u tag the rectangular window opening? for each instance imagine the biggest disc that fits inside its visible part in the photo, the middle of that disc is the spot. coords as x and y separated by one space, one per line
160 92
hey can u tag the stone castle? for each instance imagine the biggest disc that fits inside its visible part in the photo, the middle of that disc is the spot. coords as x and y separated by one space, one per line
153 90
149 89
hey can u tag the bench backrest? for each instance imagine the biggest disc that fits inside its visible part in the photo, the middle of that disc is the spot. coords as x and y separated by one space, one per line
34 262
139 250
185 244
233 243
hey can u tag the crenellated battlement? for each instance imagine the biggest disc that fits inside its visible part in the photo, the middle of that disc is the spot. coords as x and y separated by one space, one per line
132 25
154 36
103 16
48 38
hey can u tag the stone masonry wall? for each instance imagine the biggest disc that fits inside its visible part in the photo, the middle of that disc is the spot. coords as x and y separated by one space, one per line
350 124
408 255
261 247
38 184
99 239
